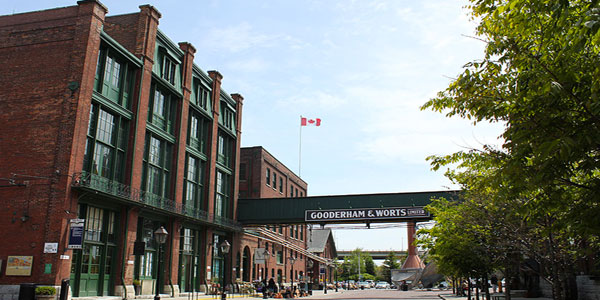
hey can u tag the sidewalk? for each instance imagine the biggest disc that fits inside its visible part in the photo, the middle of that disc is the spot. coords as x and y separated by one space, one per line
451 296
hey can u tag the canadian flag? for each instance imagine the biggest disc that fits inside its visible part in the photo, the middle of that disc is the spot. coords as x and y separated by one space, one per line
305 121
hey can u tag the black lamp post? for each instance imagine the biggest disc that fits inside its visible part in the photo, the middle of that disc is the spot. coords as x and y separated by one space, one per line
336 277
267 255
160 235
310 277
292 261
225 246
325 278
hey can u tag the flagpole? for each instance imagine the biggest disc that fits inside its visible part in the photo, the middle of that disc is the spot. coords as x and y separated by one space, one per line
300 150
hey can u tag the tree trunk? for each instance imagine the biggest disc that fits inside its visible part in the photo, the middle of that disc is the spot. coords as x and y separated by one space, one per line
486 287
507 283
454 285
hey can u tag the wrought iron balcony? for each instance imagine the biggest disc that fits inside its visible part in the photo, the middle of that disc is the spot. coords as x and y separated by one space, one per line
126 193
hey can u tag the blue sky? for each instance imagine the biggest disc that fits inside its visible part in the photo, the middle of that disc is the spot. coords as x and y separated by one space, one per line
363 67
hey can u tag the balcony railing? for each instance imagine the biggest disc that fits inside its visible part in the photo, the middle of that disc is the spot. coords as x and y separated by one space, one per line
125 192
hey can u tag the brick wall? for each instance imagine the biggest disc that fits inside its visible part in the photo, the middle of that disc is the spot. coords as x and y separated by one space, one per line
47 68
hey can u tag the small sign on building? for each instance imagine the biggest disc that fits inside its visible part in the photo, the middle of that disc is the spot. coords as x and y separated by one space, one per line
76 234
259 256
50 247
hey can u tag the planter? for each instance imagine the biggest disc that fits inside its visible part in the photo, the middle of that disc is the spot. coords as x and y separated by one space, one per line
45 297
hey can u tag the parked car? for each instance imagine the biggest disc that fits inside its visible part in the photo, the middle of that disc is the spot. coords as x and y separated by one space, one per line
382 285
442 285
363 285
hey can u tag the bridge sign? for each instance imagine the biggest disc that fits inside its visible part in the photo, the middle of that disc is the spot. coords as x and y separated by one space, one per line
366 214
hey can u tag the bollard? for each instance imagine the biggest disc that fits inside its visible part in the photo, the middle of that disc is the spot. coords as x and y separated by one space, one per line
64 289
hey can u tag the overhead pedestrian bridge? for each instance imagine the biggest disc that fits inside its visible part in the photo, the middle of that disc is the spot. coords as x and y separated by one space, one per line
341 209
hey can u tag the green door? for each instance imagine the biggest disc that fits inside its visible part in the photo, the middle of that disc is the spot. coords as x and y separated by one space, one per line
92 271
89 280
186 269
108 266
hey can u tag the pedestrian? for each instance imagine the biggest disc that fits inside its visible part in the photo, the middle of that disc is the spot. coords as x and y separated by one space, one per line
494 282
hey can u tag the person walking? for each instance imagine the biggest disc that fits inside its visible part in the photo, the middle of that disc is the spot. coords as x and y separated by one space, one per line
494 282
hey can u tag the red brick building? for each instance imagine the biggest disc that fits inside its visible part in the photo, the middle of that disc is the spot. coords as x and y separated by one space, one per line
106 120
263 176
322 244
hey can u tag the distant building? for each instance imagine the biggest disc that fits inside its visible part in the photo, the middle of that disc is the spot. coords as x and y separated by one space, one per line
322 244
106 120
263 176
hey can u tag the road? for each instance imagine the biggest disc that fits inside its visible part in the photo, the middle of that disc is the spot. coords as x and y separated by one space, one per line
373 294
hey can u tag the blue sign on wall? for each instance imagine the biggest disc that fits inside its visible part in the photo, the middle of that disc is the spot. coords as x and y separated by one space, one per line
76 234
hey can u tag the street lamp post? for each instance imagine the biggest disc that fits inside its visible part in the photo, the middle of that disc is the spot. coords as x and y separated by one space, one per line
267 255
325 279
225 246
336 278
292 261
310 277
160 235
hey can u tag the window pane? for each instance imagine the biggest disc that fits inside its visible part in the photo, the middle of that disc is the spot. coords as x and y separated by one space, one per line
106 127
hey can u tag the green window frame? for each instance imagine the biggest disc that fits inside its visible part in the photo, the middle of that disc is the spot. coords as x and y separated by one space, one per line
201 96
222 188
194 182
227 116
169 69
162 109
198 129
114 77
225 146
190 260
157 166
217 263
106 145
147 264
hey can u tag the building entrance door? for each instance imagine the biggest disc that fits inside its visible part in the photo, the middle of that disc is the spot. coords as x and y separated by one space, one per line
92 265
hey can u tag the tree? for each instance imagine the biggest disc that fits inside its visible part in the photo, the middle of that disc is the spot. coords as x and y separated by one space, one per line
369 265
390 263
540 77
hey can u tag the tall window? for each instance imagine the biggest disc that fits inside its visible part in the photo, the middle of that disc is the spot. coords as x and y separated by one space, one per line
280 184
147 266
227 116
114 77
217 266
189 258
268 176
168 69
106 143
198 132
194 183
274 180
162 110
291 190
225 146
222 195
200 95
157 166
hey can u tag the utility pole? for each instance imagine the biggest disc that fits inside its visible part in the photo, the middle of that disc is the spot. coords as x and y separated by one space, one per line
359 266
